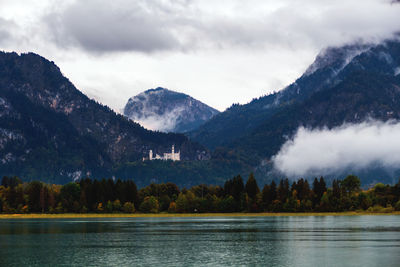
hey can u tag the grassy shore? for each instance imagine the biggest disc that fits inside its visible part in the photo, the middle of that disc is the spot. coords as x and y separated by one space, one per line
161 215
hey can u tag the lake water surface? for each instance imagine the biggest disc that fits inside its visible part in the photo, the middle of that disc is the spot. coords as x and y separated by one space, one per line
211 241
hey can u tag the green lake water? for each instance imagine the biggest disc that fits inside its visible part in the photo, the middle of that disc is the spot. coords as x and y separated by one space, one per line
211 241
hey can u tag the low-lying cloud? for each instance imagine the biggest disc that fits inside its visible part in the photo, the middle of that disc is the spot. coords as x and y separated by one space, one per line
165 122
348 147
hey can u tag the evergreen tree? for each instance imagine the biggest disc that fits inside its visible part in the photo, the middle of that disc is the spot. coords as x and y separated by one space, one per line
70 194
33 191
273 191
322 185
266 196
336 189
351 184
237 188
251 187
319 187
283 190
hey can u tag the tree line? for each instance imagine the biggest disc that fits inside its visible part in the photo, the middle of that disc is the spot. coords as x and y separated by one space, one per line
109 196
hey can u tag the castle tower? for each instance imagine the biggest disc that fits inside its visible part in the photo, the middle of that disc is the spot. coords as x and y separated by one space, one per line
151 154
173 150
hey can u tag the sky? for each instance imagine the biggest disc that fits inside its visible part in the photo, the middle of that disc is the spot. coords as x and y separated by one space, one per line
220 52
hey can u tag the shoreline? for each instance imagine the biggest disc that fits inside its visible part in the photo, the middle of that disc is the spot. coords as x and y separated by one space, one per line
180 215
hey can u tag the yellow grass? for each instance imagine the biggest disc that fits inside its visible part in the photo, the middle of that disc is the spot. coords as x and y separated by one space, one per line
161 215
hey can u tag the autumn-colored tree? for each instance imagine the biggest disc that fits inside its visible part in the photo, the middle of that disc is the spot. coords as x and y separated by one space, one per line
109 207
150 205
117 205
182 204
128 207
100 207
172 207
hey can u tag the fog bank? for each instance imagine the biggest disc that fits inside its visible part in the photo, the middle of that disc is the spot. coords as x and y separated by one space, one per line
350 146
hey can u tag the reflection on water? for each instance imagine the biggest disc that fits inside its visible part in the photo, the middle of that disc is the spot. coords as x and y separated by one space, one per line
223 241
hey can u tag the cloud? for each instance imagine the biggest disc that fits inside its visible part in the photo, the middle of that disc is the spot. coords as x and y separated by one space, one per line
351 146
155 25
101 26
165 122
152 116
6 29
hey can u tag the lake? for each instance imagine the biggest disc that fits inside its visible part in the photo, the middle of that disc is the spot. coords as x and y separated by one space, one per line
207 241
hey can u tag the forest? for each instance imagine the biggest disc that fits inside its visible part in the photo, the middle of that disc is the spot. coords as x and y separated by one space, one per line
123 196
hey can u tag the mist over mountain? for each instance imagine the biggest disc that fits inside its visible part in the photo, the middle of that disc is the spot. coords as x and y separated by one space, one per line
330 68
351 147
349 84
167 111
49 130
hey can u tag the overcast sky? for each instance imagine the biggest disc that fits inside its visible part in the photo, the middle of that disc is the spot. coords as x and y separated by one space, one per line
220 52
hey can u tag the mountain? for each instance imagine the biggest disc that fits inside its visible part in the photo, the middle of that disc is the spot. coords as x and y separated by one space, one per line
366 87
51 131
348 84
331 67
168 111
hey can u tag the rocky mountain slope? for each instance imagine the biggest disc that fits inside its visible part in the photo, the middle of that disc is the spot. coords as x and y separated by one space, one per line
49 130
168 111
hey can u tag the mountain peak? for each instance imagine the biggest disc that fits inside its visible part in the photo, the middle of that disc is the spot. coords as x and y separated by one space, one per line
157 89
336 57
168 111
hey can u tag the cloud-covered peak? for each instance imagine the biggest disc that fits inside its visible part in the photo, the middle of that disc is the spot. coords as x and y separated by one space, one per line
168 111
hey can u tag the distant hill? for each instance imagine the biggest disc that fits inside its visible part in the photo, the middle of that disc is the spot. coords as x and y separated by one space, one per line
168 111
49 130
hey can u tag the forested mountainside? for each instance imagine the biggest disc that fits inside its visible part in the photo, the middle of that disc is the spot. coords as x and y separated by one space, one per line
51 131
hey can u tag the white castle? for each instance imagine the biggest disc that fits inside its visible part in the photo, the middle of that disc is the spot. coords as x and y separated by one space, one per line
167 156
